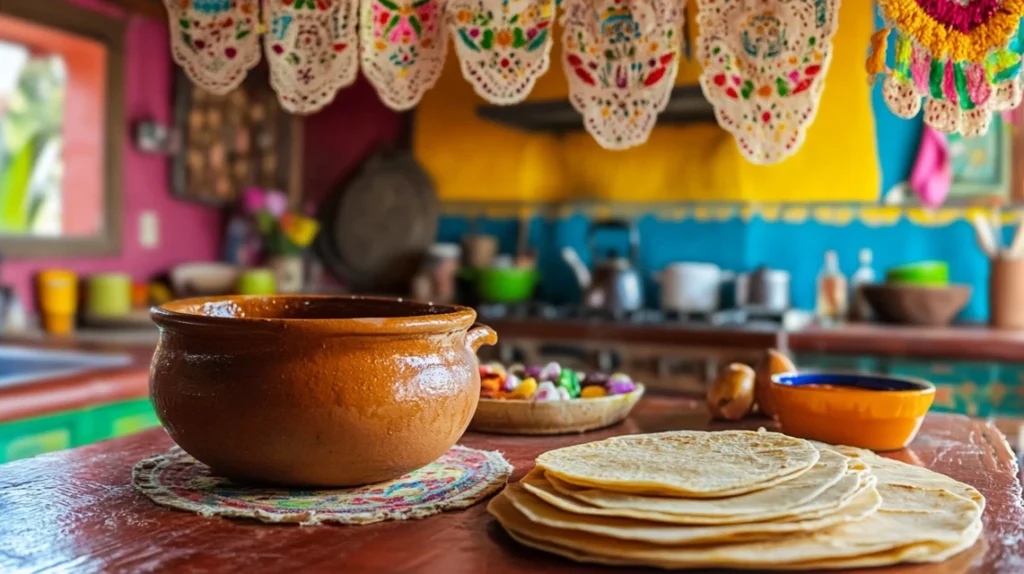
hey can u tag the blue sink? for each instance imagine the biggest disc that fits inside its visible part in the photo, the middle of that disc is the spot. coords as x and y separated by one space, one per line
23 365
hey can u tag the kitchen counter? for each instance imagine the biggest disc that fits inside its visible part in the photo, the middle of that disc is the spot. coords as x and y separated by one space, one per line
951 343
75 510
95 387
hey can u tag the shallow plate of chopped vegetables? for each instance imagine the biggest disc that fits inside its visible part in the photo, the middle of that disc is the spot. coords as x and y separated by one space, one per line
549 399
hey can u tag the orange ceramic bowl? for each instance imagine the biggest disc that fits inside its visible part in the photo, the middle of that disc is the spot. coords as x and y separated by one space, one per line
868 411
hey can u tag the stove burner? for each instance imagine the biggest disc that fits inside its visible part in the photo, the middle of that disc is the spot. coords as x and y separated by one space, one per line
552 312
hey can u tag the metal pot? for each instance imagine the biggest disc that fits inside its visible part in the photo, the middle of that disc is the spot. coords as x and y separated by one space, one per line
763 290
692 287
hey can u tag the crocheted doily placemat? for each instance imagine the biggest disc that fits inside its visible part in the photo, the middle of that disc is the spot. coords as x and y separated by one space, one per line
460 478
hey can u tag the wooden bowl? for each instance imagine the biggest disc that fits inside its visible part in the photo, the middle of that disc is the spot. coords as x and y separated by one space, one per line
552 417
315 391
917 304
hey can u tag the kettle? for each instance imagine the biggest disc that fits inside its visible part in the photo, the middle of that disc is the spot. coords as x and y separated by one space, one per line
614 285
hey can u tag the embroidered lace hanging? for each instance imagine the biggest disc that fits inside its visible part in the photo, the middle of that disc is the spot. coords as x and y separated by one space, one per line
216 42
962 57
311 50
402 47
764 65
621 59
503 46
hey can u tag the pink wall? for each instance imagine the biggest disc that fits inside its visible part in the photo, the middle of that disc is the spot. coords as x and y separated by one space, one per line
340 136
188 232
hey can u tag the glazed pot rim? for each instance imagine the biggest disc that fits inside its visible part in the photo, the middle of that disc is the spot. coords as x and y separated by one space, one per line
431 318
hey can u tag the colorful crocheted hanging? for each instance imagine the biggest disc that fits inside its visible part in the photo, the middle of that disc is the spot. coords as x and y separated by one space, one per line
460 478
216 42
764 65
311 50
402 45
621 59
503 46
962 57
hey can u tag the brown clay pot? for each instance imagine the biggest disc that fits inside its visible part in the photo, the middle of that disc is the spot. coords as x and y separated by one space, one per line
315 391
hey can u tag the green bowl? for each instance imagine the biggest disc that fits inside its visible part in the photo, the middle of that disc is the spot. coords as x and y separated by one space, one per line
924 273
509 285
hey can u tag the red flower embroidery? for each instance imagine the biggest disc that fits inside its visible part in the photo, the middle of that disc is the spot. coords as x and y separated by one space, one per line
585 76
803 85
813 70
574 60
666 58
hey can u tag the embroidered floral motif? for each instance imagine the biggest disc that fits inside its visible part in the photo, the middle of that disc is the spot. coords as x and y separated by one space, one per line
764 68
311 50
503 45
460 478
620 76
960 30
216 42
973 72
403 46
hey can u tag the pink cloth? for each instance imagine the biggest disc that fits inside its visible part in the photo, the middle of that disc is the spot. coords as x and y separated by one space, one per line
933 173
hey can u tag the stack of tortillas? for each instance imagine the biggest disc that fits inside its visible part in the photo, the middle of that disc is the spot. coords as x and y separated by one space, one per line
736 499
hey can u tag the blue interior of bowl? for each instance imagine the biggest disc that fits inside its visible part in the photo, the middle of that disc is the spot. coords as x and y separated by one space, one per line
867 382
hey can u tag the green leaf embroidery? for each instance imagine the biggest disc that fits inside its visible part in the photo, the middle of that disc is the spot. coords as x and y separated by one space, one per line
185 23
392 23
514 19
415 23
468 41
419 3
782 86
389 4
747 89
488 40
538 40
242 34
518 38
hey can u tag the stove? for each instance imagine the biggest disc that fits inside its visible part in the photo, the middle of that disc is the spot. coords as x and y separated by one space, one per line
551 312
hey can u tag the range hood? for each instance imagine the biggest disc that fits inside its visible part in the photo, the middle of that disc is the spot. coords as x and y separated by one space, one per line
687 105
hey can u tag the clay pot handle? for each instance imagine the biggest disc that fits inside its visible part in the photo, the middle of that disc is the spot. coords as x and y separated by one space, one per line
479 335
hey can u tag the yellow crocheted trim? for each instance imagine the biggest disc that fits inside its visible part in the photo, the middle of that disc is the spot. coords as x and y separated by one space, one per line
942 42
875 64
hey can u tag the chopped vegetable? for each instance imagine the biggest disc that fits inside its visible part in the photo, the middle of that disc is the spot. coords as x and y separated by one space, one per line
510 383
593 392
568 381
620 386
490 384
525 390
551 372
547 391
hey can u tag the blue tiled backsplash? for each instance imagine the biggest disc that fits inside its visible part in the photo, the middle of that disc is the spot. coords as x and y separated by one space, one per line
741 243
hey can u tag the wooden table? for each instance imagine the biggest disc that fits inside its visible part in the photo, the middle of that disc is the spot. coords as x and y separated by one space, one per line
76 511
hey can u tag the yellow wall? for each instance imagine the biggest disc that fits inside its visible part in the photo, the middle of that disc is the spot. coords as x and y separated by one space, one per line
471 159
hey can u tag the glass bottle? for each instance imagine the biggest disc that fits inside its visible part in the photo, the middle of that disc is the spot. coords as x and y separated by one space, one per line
832 294
860 310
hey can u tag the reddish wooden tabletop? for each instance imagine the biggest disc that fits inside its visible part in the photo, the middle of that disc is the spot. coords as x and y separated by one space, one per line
75 511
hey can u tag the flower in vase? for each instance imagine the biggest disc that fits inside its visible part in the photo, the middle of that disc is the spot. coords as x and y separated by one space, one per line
253 200
276 202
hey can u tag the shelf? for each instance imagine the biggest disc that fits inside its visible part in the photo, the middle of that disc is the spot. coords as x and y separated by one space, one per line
687 105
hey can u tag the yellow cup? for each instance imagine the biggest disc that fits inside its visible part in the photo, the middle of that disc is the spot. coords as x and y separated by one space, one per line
58 300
